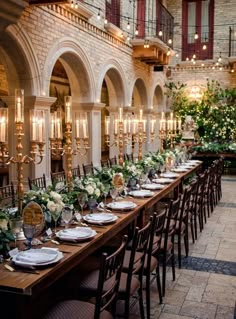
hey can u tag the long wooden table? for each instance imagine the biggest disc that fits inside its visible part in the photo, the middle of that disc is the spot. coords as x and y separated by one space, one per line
19 289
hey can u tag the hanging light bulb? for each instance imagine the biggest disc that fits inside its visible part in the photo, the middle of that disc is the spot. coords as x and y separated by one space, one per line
196 36
147 44
187 59
220 58
194 56
177 55
76 5
217 63
105 21
232 70
204 47
160 33
128 25
136 30
213 68
194 62
220 68
202 64
170 41
128 38
99 14
72 4
168 52
122 35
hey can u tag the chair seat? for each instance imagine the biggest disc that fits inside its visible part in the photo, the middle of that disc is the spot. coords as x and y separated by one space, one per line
138 257
135 284
89 283
75 309
153 265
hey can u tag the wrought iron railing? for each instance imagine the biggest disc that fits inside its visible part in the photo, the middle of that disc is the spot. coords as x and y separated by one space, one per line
164 24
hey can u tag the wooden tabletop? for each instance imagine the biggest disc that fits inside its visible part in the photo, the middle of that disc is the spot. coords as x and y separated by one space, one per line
32 284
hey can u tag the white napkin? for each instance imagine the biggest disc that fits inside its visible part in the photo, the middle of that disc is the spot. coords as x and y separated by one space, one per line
36 257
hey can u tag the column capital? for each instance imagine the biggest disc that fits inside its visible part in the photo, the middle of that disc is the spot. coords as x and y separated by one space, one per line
30 102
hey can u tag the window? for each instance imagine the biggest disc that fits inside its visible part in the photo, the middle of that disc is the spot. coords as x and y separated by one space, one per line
141 4
198 20
113 12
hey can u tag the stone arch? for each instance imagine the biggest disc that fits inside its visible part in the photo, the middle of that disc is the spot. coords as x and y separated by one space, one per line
115 79
20 60
139 93
77 67
158 98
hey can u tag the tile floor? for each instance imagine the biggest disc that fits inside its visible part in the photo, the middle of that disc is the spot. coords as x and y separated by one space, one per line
205 287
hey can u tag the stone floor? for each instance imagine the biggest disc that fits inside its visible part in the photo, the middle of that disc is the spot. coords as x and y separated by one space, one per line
205 287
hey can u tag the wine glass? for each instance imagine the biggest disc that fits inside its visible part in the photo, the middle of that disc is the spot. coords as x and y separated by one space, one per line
66 215
113 193
29 231
105 193
16 226
82 199
55 216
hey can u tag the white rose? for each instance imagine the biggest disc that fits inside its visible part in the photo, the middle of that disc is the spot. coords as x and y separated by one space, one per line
89 189
55 196
3 224
97 192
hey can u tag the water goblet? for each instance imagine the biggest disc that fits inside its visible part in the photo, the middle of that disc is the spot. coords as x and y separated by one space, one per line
113 193
66 215
105 193
16 226
29 231
82 199
55 216
92 204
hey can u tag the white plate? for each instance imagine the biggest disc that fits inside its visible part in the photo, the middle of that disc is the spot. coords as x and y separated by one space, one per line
181 169
76 234
141 193
57 255
99 221
153 186
100 217
162 180
194 161
123 205
169 175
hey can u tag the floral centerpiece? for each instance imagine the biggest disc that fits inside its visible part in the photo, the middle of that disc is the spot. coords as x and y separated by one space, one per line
91 185
50 201
6 235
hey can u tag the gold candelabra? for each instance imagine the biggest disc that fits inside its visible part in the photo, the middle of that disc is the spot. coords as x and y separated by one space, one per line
121 132
140 135
36 137
81 137
169 129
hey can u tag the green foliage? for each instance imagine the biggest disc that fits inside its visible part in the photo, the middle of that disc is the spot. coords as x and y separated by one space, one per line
214 114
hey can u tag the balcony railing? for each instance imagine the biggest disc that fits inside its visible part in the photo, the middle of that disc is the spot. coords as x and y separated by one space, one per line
164 24
232 42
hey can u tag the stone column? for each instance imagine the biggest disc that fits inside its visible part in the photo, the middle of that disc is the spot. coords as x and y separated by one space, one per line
30 102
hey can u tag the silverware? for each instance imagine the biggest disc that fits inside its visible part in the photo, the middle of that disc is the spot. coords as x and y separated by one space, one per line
19 269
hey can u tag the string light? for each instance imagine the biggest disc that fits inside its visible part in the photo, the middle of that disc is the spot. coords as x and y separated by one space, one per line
194 56
187 59
136 30
99 14
170 41
105 21
128 25
196 36
177 55
203 64
220 58
146 44
160 33
204 47
168 52
232 70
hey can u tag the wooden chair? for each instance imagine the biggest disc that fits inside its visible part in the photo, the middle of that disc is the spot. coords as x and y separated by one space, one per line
151 263
59 180
76 172
133 270
181 223
167 244
105 163
113 161
38 183
7 196
130 157
106 291
88 169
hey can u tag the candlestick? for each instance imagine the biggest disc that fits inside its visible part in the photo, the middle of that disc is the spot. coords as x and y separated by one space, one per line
3 124
140 115
68 106
19 106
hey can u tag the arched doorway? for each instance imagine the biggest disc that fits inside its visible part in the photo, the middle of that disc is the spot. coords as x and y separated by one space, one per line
158 99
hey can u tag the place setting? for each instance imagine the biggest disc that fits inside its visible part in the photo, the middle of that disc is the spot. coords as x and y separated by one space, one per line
142 193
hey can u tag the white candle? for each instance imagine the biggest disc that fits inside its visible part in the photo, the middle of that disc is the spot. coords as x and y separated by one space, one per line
125 126
34 129
3 130
179 125
152 125
58 127
84 129
120 114
174 124
129 126
40 130
134 126
107 125
144 125
77 128
162 115
171 116
116 126
141 115
52 132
